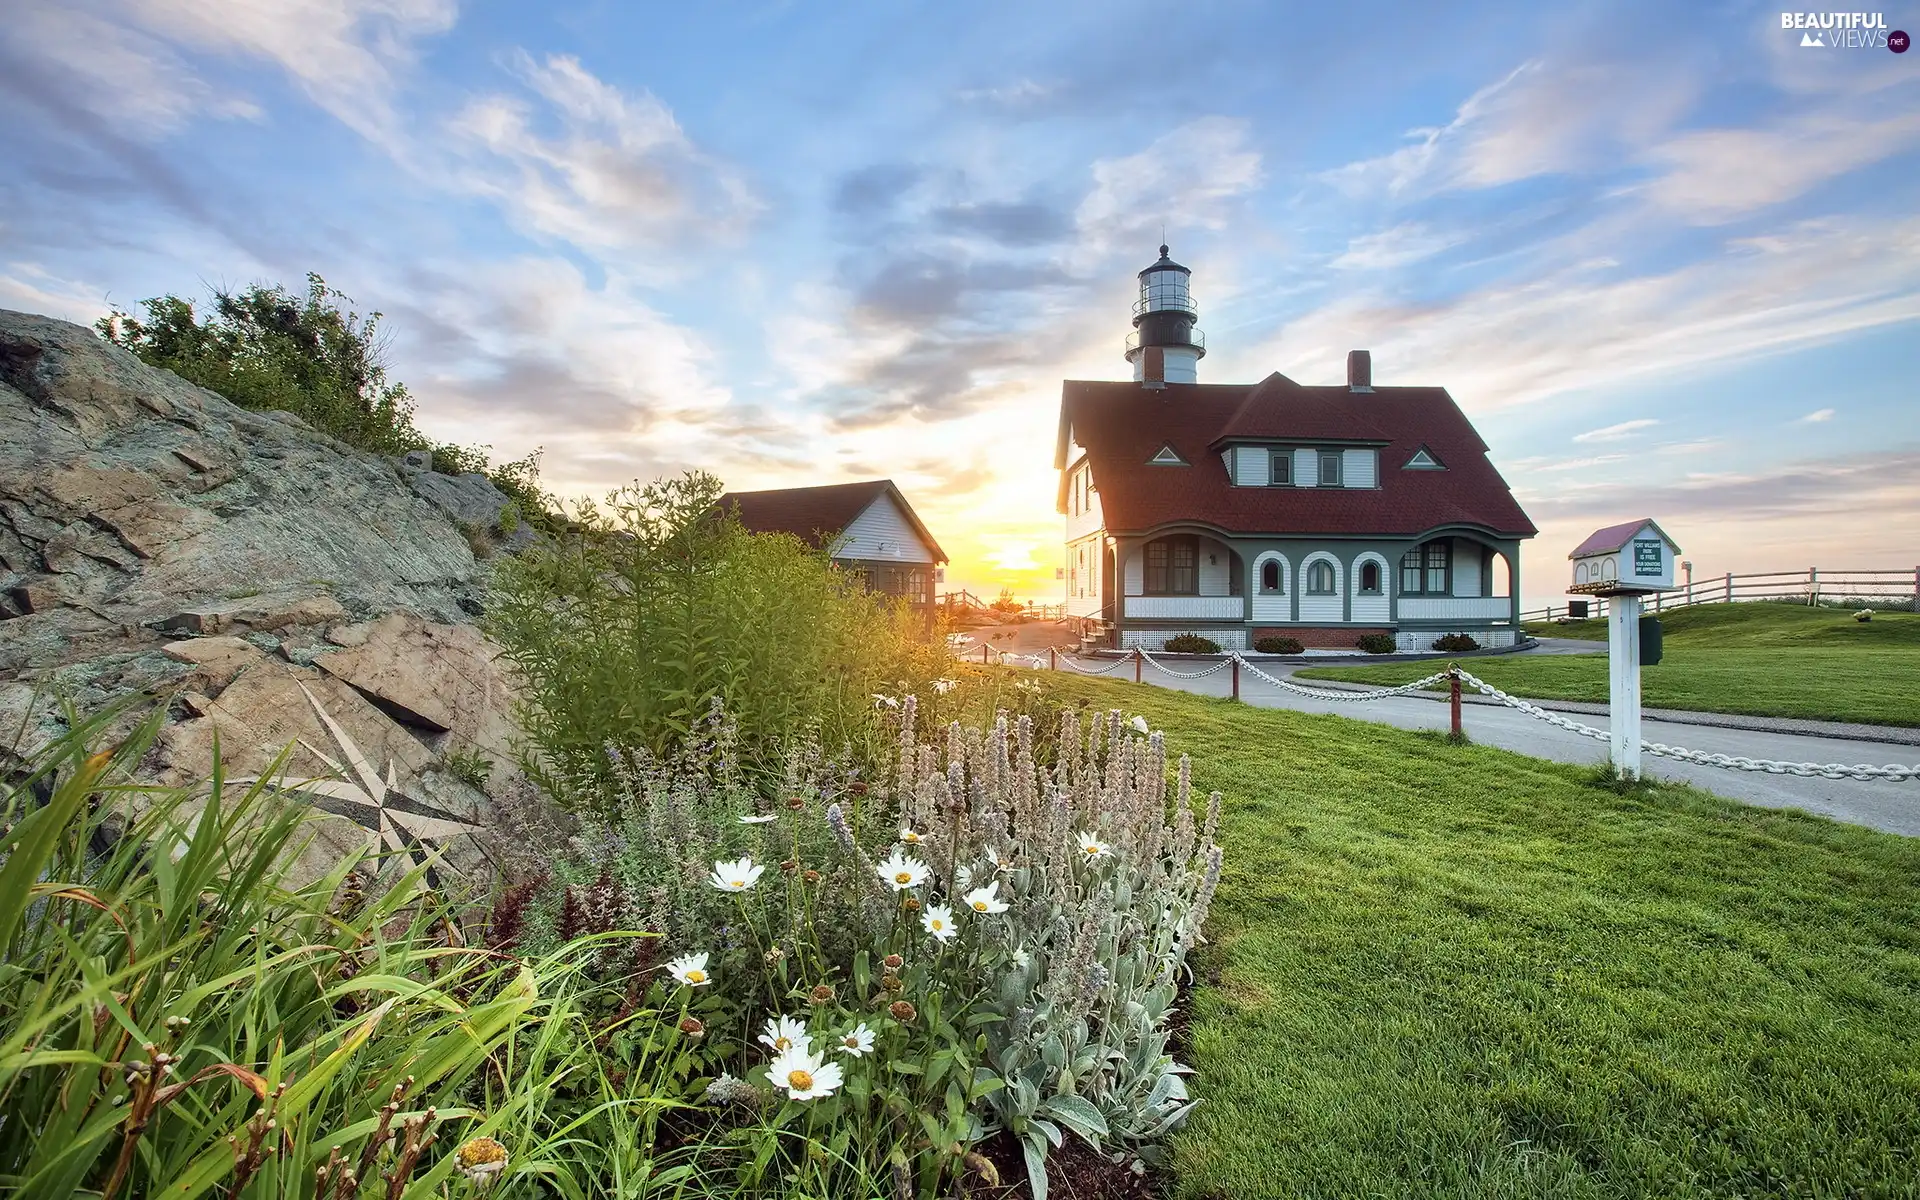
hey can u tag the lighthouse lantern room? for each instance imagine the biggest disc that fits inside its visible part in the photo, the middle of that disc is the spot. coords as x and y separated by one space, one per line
1164 346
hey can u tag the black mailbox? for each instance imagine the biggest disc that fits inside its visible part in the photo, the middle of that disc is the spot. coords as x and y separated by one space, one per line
1576 610
1649 641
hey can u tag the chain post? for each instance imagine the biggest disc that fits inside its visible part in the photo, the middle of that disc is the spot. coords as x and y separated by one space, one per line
1053 658
1236 676
1453 701
1138 658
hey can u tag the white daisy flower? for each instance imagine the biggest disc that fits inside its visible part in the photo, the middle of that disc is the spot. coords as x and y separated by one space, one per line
902 871
805 1075
963 877
938 921
942 686
690 969
736 876
986 899
856 1041
1139 724
759 818
785 1033
1021 958
480 1159
1094 847
909 837
880 701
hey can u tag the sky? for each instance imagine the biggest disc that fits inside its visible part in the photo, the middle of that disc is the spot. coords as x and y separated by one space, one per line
1666 257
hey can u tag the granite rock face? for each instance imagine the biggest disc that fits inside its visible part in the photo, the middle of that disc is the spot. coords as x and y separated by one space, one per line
275 587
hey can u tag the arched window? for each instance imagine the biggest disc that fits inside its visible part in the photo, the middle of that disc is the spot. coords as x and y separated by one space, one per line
1370 578
1270 581
1320 579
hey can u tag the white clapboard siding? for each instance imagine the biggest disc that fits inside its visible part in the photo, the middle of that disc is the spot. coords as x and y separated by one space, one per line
1088 519
883 532
1216 577
1462 608
1360 468
1466 567
1306 468
1374 609
1322 608
1250 466
1185 608
1134 573
1275 606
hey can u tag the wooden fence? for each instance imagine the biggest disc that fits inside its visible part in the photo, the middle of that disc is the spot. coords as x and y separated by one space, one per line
961 600
1811 586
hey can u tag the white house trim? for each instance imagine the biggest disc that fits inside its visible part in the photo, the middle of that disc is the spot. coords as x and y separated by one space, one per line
1319 608
1271 606
1374 609
882 531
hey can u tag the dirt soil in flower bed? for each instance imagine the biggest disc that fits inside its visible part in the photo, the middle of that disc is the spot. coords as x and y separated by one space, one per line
1075 1171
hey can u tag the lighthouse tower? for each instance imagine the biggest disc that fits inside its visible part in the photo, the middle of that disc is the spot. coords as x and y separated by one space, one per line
1164 347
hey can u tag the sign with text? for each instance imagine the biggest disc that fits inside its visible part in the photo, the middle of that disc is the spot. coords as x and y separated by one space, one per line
1646 559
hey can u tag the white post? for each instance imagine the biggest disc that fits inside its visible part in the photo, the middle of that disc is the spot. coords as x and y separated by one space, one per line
1623 658
1729 587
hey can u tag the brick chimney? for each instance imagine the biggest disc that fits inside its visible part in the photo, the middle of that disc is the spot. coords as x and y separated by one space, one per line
1153 367
1359 371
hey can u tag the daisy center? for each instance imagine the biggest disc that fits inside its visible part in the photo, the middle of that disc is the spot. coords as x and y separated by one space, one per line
1092 849
979 906
903 877
799 1081
696 976
736 883
939 924
783 1043
851 1043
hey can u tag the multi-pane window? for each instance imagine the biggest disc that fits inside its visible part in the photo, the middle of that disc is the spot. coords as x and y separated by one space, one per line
1427 569
1280 473
1320 578
1329 468
1172 566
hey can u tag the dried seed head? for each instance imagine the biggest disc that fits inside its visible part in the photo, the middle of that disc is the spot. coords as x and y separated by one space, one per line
903 1010
693 1028
821 994
892 962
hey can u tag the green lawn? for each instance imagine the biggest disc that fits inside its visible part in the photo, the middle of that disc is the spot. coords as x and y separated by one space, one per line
1766 659
1443 971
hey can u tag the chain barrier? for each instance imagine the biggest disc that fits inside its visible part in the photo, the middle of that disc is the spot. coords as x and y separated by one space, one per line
1895 772
1335 694
1222 665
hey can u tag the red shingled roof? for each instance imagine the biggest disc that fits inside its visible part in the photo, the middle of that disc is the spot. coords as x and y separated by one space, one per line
816 515
1122 425
1614 537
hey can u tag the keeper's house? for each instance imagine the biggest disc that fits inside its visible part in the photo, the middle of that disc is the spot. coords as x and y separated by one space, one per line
865 527
1237 511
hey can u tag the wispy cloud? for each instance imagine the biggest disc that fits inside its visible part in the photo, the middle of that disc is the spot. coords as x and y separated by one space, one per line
1614 433
1816 417
595 165
1395 247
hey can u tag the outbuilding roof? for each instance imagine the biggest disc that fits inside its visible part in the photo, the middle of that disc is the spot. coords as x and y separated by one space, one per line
817 515
1121 426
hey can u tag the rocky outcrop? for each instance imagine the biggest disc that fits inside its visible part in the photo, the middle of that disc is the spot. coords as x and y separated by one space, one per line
275 587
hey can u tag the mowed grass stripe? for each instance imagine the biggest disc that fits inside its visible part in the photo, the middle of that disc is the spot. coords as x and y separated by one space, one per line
1759 659
1444 971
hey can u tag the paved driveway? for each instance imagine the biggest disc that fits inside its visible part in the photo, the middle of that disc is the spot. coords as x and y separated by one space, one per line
1894 807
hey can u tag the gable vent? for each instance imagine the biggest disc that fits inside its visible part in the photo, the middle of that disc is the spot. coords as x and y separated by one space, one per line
1167 457
1423 460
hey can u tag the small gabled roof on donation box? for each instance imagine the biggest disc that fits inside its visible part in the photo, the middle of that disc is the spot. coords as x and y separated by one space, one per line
1615 538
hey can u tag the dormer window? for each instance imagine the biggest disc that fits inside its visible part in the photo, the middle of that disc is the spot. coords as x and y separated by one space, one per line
1280 468
1329 468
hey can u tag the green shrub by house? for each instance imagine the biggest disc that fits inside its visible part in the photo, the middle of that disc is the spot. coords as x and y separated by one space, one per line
1191 643
1376 643
1454 643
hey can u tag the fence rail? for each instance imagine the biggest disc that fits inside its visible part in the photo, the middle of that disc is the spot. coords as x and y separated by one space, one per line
1811 587
962 600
